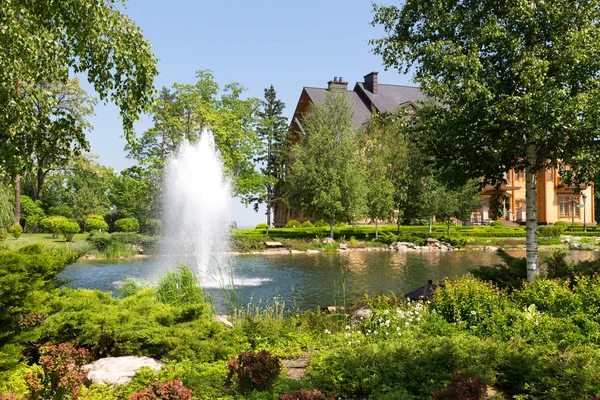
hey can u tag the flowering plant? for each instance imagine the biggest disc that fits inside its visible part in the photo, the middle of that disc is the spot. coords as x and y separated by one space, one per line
253 370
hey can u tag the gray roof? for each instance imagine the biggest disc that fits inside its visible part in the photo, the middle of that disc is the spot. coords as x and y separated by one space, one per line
361 111
389 97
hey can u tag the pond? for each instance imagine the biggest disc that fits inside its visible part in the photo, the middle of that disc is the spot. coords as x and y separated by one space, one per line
303 281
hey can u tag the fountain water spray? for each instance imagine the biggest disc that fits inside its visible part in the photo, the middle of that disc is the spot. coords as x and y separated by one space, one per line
197 207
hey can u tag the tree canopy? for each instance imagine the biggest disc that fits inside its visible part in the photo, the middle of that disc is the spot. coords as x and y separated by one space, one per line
512 84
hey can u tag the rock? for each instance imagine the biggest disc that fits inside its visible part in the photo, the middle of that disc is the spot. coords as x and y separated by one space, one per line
313 251
222 319
361 313
328 240
296 252
273 244
575 246
343 246
490 248
118 370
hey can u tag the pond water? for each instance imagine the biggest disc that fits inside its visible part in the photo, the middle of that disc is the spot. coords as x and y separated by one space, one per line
304 281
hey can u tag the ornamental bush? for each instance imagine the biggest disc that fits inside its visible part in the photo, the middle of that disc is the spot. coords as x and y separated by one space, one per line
497 224
462 386
3 234
261 226
550 231
172 390
69 229
127 225
293 224
52 224
16 230
61 375
96 223
307 224
253 370
304 395
321 224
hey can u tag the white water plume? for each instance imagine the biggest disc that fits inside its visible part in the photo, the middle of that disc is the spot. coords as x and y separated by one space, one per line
197 207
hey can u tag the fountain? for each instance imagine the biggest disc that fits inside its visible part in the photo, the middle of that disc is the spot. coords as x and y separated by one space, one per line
197 208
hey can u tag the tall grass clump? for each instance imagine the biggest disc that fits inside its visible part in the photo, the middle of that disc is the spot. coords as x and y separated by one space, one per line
180 287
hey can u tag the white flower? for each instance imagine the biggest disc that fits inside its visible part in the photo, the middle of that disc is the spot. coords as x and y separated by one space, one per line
327 331
347 327
406 324
386 312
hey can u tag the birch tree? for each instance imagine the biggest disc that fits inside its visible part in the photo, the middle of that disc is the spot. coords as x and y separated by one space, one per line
512 84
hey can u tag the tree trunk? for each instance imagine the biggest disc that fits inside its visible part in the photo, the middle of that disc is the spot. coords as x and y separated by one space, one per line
430 224
18 199
40 184
331 229
531 240
398 222
376 228
449 227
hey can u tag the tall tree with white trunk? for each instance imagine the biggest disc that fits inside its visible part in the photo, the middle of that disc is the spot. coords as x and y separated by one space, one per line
513 84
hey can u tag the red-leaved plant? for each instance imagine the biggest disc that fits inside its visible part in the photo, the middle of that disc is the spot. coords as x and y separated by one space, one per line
61 374
253 370
305 395
462 386
172 390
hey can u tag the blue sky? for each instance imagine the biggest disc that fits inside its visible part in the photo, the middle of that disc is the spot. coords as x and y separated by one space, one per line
289 44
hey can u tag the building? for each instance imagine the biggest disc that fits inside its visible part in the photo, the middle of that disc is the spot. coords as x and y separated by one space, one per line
556 202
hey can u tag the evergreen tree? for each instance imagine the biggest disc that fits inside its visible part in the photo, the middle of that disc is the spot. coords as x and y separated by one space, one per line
272 130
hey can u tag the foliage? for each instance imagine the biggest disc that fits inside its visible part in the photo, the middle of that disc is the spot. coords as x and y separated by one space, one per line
292 223
172 390
60 375
321 223
6 207
53 224
508 275
15 230
127 225
327 179
69 229
550 231
497 224
3 234
32 213
251 370
96 223
100 240
262 226
180 287
135 193
462 386
151 226
85 203
306 224
304 395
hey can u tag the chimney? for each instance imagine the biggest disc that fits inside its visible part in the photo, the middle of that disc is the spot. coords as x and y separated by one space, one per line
337 84
371 82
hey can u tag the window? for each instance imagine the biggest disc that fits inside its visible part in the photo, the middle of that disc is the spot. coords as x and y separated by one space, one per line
568 206
550 174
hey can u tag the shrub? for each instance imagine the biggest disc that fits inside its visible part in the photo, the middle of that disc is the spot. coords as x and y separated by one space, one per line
96 223
508 275
151 226
172 390
455 241
261 226
552 231
61 375
462 386
304 395
253 370
127 225
16 230
562 224
69 229
340 225
3 234
497 224
321 224
293 224
307 224
100 240
52 224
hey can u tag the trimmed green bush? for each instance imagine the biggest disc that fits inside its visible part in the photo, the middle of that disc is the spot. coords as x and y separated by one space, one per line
52 224
561 223
100 240
16 231
96 223
127 225
261 226
497 224
293 224
69 229
307 224
3 234
340 225
321 224
550 231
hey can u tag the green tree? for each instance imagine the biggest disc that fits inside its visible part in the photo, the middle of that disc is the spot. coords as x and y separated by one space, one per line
85 203
132 194
272 131
6 207
456 202
185 111
32 213
511 84
60 130
327 176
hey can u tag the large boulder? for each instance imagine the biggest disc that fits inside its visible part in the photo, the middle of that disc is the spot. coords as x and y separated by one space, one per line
118 370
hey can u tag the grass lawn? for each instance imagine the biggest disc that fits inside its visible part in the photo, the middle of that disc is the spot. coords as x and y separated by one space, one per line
45 238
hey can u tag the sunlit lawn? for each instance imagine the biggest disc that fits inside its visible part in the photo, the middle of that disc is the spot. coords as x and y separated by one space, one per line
45 238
